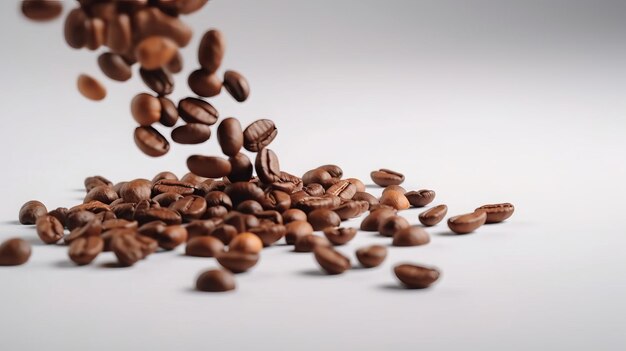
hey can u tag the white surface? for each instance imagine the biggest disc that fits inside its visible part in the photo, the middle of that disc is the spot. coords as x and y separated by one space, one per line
483 102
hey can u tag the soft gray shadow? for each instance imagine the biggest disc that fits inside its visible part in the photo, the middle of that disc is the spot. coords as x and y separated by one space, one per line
82 190
372 186
65 264
447 233
112 265
193 291
361 268
313 273
399 287
15 222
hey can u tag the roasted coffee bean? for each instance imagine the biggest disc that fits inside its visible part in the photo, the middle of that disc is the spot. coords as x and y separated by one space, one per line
108 236
49 229
314 189
124 211
420 198
241 221
190 207
344 189
60 213
360 187
92 182
371 256
310 203
151 142
158 214
118 223
395 199
14 252
331 261
241 191
323 218
339 235
166 175
193 110
92 206
151 21
173 186
211 50
215 280
226 233
91 88
176 63
230 136
375 218
169 112
386 177
394 187
200 228
194 179
433 216
297 229
308 243
293 214
148 245
171 237
334 170
392 225
31 211
267 166
84 250
114 67
95 31
127 249
204 246
158 80
411 236
191 133
103 193
204 83
75 28
215 212
136 190
119 33
218 198
317 176
209 166
498 212
91 228
42 10
247 243
241 168
288 183
276 200
146 109
76 219
155 52
259 135
467 223
416 277
269 233
250 207
105 215
117 187
347 210
270 215
299 196
152 229
236 85
237 262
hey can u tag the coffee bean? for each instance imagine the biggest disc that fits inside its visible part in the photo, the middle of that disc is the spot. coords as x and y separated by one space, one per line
344 189
102 193
420 198
211 50
155 52
416 277
467 223
276 200
94 33
194 179
171 237
60 213
269 233
84 250
136 190
433 216
31 211
192 133
331 260
158 214
236 85
323 218
158 80
151 21
250 207
411 236
108 236
91 88
106 215
193 110
334 170
395 199
371 256
204 246
241 168
392 225
308 243
293 214
297 229
230 136
241 221
498 212
259 135
347 210
218 198
226 233
267 166
190 207
151 142
317 175
269 215
215 280
49 229
92 182
386 177
176 63
208 166
91 228
241 191
14 252
93 206
169 112
375 218
237 262
118 223
42 10
215 212
114 67
288 183
310 203
200 228
247 243
74 28
146 109
166 175
360 187
339 235
76 219
173 186
127 249
204 83
118 33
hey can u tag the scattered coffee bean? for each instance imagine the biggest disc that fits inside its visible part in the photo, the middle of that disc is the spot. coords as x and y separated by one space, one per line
386 177
297 229
237 262
49 229
392 225
91 228
369 198
323 218
339 235
191 133
227 233
136 190
420 198
31 211
92 182
360 187
102 193
294 214
269 233
230 136
215 280
416 277
128 249
241 168
151 142
146 109
331 260
308 243
236 85
193 110
497 213
91 88
467 223
84 250
204 246
76 219
411 236
394 187
250 207
372 222
395 199
211 50
344 189
115 67
169 112
173 186
60 213
433 216
42 10
190 207
267 166
204 83
371 256
14 252
155 52
246 242
259 135
158 80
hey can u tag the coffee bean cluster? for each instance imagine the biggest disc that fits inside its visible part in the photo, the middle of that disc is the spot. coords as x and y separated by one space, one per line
149 33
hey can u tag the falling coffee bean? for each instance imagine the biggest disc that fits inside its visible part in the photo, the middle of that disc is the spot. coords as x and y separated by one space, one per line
209 166
392 225
267 166
236 85
259 135
191 133
115 67
158 80
386 177
339 235
211 50
91 88
230 136
193 110
146 109
42 10
204 83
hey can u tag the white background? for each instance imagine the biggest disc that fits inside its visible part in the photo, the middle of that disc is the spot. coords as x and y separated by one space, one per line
482 101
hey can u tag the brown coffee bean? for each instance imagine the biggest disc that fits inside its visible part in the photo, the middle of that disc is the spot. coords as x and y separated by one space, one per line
169 112
215 212
155 52
91 228
208 166
176 64
151 21
230 136
237 262
386 177
394 187
323 218
226 233
241 168
215 280
41 10
136 190
241 191
259 135
108 236
92 206
211 50
246 242
467 223
392 225
158 80
371 256
92 182
173 186
118 223
14 252
151 142
250 207
204 83
394 199
267 166
102 193
127 249
331 260
218 198
190 207
339 235
344 189
204 246
146 109
171 237
84 250
193 110
31 211
363 196
269 233
433 216
411 236
241 221
297 229
276 200
498 212
334 170
118 37
314 189
201 228
237 85
269 216
293 214
288 183
158 214
420 198
94 33
192 133
60 213
360 187
91 88
308 243
310 203
106 215
75 28
166 175
49 229
375 218
76 219
114 67
416 277
317 175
